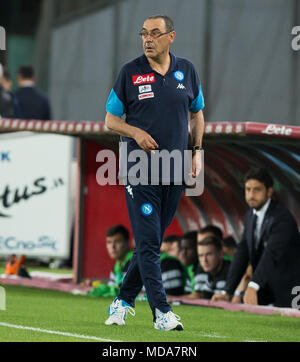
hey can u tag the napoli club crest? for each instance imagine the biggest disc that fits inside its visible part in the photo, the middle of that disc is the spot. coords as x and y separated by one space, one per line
179 75
147 209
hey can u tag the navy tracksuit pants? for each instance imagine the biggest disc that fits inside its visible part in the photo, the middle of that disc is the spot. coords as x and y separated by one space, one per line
151 209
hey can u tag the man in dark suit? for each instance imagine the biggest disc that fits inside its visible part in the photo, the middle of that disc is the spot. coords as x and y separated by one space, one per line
33 104
270 243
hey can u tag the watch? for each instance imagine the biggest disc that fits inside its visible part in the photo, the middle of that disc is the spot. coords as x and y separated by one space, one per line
197 148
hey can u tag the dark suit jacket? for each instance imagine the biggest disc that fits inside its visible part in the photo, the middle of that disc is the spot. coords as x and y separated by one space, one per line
33 104
276 261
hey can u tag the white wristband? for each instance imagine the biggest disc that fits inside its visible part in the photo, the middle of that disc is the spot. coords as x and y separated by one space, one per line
254 285
237 293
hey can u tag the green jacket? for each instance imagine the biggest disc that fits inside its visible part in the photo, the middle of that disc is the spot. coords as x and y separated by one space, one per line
112 288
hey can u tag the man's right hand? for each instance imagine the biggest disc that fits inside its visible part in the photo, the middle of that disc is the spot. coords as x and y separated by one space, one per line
221 298
145 141
119 126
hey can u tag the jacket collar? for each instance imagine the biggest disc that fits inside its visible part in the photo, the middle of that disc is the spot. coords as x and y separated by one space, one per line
267 219
261 213
147 68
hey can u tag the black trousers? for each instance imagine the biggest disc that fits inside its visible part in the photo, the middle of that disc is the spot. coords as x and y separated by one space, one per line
151 209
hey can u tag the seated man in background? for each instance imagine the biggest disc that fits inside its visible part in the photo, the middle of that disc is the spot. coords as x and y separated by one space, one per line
270 243
118 248
17 267
242 287
172 271
170 245
211 273
229 247
210 230
189 258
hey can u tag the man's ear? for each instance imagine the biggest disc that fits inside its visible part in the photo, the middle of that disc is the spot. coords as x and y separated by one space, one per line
270 192
172 36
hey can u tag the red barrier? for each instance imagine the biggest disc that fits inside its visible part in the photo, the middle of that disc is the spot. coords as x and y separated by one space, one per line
230 149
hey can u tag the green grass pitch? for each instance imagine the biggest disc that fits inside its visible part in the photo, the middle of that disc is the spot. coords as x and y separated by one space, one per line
81 318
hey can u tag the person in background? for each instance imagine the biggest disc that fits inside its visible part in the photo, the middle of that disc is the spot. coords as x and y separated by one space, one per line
242 287
229 247
170 245
6 80
211 273
118 248
172 271
7 85
33 103
188 257
210 230
188 248
16 266
6 99
270 243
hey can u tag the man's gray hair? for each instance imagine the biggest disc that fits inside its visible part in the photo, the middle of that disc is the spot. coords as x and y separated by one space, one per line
1 70
168 21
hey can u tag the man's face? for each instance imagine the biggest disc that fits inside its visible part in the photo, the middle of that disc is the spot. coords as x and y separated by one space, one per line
209 257
12 259
7 84
229 251
116 246
170 248
187 254
174 250
154 47
256 194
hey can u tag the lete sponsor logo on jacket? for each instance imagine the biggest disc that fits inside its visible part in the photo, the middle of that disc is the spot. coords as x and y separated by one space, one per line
143 79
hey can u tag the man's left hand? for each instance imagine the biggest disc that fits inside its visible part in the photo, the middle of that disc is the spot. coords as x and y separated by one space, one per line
250 296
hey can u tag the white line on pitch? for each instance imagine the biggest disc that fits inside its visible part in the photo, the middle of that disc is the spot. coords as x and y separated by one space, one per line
224 337
56 332
213 336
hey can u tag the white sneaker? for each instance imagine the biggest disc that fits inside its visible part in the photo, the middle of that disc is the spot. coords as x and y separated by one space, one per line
167 321
118 311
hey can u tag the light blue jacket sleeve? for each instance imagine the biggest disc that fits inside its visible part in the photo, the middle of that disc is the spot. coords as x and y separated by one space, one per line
198 102
114 105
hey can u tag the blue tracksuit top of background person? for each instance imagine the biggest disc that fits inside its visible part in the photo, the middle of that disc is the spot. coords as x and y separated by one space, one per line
155 103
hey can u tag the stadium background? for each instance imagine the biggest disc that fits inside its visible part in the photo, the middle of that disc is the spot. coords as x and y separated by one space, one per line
241 49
